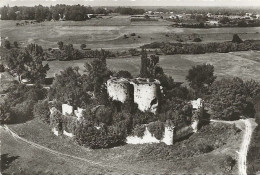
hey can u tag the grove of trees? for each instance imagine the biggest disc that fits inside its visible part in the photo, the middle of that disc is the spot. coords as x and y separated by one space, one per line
60 11
26 63
200 48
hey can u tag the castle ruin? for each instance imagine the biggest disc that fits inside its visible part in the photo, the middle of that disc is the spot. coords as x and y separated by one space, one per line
143 92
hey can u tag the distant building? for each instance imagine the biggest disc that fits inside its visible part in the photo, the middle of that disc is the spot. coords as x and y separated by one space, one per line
212 23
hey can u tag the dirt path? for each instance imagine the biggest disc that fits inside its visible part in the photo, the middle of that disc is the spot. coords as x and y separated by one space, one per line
105 166
245 144
244 148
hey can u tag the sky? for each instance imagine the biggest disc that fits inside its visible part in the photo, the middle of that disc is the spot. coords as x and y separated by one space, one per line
236 3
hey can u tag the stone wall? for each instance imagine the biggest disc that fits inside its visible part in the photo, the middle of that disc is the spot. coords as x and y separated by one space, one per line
118 89
67 109
149 138
143 92
146 94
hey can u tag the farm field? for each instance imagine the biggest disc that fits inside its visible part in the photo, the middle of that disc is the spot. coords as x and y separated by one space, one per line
109 33
124 159
244 64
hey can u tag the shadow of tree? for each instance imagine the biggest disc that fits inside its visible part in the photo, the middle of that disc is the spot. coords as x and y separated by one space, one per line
6 161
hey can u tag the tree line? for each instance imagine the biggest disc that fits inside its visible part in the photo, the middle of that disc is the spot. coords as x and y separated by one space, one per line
237 44
60 11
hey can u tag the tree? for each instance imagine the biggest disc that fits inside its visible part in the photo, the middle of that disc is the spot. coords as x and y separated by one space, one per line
2 68
24 65
236 39
200 77
229 99
15 44
18 106
60 44
83 46
7 44
41 110
148 65
68 87
97 73
124 74
197 40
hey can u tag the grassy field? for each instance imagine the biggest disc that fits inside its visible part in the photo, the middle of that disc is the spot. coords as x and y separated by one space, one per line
109 33
125 159
243 64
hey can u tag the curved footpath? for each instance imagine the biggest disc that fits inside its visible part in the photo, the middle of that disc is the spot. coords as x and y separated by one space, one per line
241 160
17 137
242 154
244 148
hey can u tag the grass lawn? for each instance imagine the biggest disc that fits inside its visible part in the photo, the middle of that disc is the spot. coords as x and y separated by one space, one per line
126 159
243 64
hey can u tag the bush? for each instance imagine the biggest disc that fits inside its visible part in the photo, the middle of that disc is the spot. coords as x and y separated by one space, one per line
56 120
139 130
197 40
42 111
124 74
7 44
132 34
89 136
15 44
2 68
156 129
21 100
228 163
104 115
83 46
22 111
236 39
69 123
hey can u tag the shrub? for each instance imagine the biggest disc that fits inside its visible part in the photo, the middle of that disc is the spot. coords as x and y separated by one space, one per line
7 44
197 40
229 163
15 44
124 74
132 34
2 68
104 115
205 148
41 110
83 46
156 129
69 123
89 136
22 111
134 52
139 130
21 100
56 120
236 39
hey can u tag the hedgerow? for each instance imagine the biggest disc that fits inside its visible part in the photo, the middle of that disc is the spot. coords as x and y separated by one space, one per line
201 48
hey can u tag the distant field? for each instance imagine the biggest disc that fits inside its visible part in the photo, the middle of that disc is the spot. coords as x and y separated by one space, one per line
109 33
245 65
